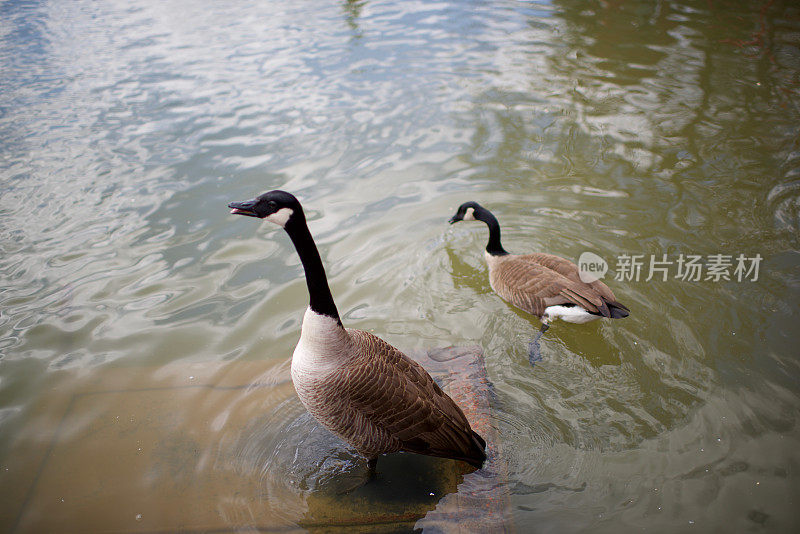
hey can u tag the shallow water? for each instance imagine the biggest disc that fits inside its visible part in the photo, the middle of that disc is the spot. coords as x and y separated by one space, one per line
639 128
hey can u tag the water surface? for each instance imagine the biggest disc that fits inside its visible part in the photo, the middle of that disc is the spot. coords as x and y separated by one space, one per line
636 128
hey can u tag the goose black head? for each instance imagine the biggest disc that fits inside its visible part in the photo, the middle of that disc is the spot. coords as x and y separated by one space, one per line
275 206
466 212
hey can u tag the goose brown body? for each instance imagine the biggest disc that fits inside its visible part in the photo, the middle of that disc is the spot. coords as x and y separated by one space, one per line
375 397
534 282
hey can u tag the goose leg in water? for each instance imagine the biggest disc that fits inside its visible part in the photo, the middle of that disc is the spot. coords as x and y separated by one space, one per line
356 478
534 354
372 464
359 478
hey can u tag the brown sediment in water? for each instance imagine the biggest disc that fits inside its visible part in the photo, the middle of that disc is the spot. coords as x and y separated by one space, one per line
168 453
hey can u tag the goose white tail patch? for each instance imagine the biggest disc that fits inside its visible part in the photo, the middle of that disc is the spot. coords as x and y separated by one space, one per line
280 217
569 314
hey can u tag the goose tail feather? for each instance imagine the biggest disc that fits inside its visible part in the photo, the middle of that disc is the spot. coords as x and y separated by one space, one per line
618 311
479 451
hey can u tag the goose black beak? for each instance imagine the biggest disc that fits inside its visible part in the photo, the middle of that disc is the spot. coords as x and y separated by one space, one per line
243 208
454 219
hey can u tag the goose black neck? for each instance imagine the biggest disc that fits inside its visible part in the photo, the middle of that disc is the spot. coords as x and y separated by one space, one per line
320 298
493 247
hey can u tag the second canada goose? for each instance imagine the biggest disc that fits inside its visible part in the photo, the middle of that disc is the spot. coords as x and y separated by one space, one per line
543 285
355 384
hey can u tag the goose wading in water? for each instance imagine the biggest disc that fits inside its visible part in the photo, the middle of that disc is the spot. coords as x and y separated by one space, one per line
355 384
543 285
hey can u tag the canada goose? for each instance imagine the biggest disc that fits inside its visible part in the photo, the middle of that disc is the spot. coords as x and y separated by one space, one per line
543 285
355 384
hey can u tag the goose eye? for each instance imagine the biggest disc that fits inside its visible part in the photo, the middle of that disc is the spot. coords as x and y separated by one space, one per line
272 205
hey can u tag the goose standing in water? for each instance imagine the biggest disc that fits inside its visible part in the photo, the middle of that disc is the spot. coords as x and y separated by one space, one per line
355 384
543 285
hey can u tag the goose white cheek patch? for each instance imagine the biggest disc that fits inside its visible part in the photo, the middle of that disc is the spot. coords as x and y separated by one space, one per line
469 215
280 217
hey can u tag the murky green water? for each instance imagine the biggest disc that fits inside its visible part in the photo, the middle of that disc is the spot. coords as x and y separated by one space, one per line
636 128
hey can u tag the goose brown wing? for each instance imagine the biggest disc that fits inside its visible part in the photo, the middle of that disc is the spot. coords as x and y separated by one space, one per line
536 281
398 396
556 263
571 271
